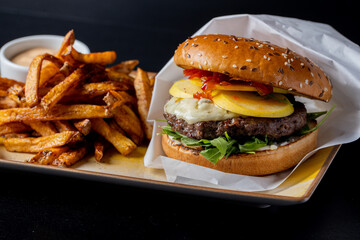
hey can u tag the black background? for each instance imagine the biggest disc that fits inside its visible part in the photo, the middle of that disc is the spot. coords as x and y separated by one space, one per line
42 206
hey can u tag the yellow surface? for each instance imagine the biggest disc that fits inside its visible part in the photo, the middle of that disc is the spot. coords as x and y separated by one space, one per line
184 89
303 177
250 104
297 185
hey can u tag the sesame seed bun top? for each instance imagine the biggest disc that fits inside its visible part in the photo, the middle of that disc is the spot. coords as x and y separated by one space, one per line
253 60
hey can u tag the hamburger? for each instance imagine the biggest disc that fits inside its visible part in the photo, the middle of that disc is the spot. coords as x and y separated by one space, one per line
237 110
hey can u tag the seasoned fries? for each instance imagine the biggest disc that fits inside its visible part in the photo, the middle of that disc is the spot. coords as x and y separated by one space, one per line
143 94
123 144
73 104
33 145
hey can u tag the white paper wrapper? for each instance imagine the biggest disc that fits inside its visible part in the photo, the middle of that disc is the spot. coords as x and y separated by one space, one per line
335 54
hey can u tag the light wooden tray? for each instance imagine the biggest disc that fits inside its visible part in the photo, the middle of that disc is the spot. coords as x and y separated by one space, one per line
130 170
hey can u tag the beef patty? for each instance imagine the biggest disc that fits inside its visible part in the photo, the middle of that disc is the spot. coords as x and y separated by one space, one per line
241 127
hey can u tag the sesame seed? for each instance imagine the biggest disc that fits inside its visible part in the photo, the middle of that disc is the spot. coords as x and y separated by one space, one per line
236 47
187 43
265 56
194 44
277 54
291 68
280 83
243 67
286 63
281 70
312 74
188 56
261 45
253 69
191 63
224 57
326 89
301 85
205 37
234 66
200 66
292 59
272 48
225 42
195 39
200 54
307 81
248 60
205 62
268 59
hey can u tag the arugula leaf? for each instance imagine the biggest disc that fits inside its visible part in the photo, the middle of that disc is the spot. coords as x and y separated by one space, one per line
212 154
314 115
251 146
219 147
307 130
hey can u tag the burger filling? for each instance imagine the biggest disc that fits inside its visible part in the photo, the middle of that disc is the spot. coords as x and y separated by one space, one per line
218 117
210 123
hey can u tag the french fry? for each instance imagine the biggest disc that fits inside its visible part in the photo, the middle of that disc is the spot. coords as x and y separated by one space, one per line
98 88
70 157
123 144
83 126
5 83
143 94
16 93
58 112
63 125
125 118
43 128
33 145
69 40
125 66
120 77
33 77
99 148
7 102
57 92
104 58
47 156
16 127
16 135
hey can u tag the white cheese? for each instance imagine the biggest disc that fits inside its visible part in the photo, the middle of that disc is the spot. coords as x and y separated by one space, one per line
193 110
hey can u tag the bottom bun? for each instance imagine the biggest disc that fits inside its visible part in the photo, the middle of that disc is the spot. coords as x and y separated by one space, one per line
261 163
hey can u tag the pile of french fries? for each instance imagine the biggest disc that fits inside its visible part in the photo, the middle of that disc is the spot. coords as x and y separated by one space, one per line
72 104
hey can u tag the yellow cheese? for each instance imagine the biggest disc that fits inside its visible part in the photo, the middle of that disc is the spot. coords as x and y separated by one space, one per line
251 104
235 87
184 89
243 102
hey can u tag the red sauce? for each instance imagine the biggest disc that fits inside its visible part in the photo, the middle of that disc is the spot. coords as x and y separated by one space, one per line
211 79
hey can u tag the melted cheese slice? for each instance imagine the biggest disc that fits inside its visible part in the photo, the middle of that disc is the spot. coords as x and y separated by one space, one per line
251 104
184 89
243 102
